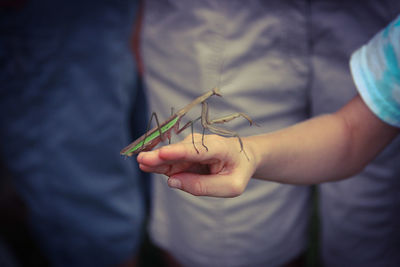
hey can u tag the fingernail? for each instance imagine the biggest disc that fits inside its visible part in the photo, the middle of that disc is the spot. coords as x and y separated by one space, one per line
174 183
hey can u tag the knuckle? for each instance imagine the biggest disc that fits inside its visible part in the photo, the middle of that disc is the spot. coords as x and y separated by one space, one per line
199 189
188 137
237 187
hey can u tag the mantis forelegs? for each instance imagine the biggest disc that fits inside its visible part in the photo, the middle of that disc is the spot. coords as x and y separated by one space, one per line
231 117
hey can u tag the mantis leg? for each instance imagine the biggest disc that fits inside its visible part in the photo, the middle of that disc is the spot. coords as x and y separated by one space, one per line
231 117
169 137
148 127
190 123
207 124
202 139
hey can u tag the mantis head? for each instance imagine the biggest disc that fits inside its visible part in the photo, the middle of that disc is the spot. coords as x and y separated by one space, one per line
217 91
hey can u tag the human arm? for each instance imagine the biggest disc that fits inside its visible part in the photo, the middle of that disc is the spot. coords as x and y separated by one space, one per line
326 148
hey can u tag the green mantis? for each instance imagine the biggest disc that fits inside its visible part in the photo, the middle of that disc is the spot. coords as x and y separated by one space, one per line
153 137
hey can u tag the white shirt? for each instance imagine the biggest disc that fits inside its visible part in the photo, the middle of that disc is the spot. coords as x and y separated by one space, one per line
245 48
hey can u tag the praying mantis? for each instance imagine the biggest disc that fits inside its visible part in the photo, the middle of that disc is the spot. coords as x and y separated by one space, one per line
153 137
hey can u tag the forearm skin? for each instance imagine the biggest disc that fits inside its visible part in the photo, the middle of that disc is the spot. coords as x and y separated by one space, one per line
326 148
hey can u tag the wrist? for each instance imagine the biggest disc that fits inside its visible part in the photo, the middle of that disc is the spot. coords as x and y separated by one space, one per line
254 151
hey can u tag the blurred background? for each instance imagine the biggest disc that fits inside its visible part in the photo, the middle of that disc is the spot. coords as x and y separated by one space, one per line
71 73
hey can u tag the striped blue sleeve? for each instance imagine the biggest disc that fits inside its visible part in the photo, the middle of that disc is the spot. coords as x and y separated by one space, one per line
376 72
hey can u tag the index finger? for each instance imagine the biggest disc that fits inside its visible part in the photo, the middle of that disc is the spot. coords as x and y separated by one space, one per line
191 152
185 150
170 154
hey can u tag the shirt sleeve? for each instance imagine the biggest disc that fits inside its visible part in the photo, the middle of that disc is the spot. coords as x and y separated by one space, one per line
376 72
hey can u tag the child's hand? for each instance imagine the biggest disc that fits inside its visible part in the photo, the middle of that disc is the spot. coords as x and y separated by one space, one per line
222 171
